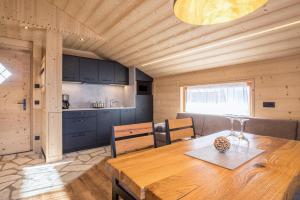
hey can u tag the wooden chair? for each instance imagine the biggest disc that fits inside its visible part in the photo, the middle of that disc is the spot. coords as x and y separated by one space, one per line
178 129
126 139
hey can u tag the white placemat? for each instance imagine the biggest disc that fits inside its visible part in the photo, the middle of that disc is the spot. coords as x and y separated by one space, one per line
233 158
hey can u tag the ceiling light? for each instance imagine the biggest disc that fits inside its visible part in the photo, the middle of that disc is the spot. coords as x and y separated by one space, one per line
205 12
81 39
26 27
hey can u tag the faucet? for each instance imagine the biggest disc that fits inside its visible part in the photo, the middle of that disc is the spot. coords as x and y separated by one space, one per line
112 101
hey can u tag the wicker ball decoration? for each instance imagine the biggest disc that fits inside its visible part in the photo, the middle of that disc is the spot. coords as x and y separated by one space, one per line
222 144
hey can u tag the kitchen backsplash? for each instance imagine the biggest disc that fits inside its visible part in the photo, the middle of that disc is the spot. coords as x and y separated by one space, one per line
82 95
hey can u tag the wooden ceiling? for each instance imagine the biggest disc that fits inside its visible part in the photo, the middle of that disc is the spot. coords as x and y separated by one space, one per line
147 35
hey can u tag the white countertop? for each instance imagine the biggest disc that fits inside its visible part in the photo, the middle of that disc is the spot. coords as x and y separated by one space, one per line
80 109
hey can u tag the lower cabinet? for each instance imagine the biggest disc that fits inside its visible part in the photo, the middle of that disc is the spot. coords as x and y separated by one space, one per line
89 129
79 130
106 119
128 116
79 141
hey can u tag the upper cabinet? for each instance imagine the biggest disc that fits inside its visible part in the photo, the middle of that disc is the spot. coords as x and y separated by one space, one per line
89 70
141 76
121 74
70 68
106 72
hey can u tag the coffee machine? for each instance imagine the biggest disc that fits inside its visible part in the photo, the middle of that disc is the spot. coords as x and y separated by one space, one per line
65 101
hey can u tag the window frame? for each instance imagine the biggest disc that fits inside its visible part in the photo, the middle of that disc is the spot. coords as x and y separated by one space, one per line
250 83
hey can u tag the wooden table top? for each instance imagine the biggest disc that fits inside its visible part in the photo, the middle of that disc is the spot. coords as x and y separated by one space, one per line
166 173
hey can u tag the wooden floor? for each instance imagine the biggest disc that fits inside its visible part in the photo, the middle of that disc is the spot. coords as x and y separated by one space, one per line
95 184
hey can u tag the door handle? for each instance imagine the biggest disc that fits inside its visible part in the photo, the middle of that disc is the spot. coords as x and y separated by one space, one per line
23 102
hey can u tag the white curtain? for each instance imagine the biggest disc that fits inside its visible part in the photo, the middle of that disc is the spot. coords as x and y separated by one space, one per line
221 99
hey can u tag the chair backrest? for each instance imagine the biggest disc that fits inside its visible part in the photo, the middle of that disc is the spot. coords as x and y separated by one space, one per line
177 129
133 137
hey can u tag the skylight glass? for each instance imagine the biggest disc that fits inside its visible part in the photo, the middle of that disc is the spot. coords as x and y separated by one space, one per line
4 73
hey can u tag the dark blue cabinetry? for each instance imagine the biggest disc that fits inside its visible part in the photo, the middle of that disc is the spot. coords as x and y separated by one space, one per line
89 70
94 71
106 72
79 130
121 74
144 108
70 68
106 119
128 116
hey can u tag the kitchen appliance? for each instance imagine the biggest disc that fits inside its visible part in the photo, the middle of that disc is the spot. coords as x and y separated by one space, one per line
144 88
65 101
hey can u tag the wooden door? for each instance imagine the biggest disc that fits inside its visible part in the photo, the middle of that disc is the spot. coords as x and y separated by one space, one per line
15 117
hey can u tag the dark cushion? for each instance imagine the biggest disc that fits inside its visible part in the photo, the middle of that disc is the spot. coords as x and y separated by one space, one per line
271 127
215 123
198 120
298 134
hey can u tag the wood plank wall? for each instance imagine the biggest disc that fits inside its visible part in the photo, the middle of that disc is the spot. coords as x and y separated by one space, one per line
275 80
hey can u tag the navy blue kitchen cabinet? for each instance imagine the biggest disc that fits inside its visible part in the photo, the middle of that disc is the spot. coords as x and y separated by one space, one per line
70 68
128 116
144 108
106 119
106 72
88 70
121 74
79 130
141 76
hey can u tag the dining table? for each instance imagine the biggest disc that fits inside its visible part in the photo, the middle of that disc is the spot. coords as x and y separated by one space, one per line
168 173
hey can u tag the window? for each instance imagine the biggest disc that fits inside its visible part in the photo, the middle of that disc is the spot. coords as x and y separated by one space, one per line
4 73
220 99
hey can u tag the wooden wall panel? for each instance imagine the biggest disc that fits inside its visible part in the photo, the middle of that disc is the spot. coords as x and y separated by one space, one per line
275 80
52 102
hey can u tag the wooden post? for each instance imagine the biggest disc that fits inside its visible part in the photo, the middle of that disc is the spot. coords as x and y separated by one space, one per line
36 114
52 105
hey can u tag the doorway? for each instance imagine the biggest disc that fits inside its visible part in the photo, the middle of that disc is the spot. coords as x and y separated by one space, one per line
15 76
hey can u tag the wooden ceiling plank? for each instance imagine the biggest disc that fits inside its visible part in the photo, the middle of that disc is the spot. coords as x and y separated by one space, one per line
233 31
197 33
138 14
282 35
88 9
150 33
102 12
139 27
252 52
263 57
119 13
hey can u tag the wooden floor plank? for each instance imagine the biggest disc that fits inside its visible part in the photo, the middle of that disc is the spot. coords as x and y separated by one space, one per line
95 184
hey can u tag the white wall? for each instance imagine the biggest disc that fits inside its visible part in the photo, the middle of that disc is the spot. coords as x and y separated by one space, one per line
82 95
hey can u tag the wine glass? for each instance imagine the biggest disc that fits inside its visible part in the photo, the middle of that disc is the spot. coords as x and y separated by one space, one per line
232 132
242 136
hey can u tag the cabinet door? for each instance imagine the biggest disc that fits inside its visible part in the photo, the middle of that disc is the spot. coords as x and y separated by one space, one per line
88 70
106 120
79 141
144 108
121 74
106 72
127 116
141 76
70 68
